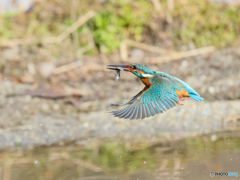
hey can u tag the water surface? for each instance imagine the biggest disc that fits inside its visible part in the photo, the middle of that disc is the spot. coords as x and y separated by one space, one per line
192 158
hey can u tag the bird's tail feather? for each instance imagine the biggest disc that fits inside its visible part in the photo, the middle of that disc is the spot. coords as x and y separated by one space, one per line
196 97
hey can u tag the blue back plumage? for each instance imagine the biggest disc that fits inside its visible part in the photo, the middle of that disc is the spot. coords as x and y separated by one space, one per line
193 94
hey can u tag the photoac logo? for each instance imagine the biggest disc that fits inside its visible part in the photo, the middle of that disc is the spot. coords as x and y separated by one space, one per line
212 174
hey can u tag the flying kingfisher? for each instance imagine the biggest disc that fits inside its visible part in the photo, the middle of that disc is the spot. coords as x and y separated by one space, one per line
161 92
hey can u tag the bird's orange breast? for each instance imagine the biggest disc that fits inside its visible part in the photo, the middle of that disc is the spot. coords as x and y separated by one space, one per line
146 81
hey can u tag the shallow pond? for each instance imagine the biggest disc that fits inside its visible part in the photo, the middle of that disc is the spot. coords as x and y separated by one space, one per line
192 158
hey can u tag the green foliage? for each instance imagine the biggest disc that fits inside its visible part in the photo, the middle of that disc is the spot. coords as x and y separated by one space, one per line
118 20
206 23
202 22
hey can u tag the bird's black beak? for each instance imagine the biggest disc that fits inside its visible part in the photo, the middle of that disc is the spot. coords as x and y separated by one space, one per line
119 67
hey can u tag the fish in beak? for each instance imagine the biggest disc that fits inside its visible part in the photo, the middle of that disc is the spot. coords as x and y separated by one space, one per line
119 68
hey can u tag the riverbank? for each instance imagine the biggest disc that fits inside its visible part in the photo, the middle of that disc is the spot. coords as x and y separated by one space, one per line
74 106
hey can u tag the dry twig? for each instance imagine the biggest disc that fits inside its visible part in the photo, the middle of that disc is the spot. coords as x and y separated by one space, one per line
157 5
48 40
181 55
128 42
73 14
170 4
90 45
76 25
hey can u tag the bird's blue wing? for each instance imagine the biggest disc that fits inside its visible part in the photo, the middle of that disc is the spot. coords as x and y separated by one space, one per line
133 98
159 97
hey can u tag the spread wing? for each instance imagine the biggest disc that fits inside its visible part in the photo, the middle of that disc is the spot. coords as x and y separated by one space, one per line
159 97
133 98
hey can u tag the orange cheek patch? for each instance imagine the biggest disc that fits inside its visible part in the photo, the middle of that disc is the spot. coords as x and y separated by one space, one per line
140 72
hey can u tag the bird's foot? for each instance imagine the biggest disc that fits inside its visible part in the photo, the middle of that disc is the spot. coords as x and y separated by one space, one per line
179 104
180 99
114 104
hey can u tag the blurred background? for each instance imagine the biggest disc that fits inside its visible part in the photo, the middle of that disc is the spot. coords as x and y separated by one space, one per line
56 92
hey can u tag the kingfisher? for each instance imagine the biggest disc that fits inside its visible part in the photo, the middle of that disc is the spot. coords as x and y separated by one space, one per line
161 92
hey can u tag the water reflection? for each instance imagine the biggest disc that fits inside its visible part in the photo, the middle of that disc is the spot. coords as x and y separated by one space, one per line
191 158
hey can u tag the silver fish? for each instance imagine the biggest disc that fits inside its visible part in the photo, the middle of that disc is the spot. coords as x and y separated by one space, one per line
121 69
117 73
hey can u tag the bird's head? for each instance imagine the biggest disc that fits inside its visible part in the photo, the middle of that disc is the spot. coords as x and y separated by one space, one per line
138 69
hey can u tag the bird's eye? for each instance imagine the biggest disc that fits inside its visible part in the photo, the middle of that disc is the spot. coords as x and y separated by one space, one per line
134 67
